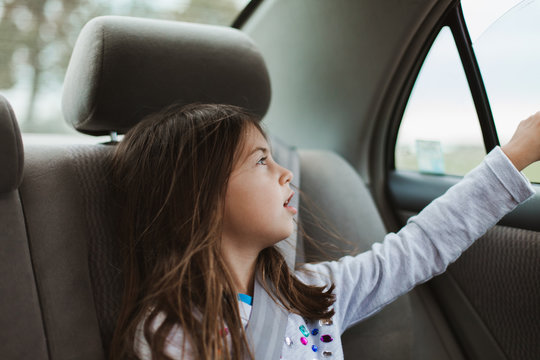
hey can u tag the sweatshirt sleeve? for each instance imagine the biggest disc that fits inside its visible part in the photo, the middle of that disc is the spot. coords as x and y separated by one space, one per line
427 244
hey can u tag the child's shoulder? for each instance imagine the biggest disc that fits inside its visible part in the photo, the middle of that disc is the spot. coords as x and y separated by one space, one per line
321 273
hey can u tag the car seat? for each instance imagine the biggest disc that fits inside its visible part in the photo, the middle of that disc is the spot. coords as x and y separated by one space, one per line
22 335
69 280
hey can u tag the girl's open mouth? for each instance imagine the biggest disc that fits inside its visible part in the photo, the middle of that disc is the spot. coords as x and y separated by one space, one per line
286 204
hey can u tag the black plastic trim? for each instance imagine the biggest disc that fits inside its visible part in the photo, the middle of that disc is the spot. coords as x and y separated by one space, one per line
412 191
246 13
456 23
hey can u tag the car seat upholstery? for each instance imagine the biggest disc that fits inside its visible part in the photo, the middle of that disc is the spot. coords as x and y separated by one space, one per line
22 334
67 286
59 203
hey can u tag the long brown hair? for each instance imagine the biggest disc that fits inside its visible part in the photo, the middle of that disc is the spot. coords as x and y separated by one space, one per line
171 171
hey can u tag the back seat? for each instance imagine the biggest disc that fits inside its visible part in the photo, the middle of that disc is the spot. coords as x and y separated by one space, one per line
70 228
60 279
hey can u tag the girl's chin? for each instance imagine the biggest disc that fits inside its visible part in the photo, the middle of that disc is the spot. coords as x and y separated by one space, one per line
285 236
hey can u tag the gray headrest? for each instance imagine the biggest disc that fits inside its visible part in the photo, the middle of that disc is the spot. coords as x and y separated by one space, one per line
11 149
124 68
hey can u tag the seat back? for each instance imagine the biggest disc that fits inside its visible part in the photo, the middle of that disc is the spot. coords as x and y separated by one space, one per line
22 334
62 192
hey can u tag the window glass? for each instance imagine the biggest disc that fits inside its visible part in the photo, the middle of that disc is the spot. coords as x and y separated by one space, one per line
440 132
508 54
480 14
37 37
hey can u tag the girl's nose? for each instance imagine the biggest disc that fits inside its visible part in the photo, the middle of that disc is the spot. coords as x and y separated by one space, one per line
286 176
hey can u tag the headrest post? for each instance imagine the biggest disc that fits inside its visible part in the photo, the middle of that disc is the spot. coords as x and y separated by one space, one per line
114 136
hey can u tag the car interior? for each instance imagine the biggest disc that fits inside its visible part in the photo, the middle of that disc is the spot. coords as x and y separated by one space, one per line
331 80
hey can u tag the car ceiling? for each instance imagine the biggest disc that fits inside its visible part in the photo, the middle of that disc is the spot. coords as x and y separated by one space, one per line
338 67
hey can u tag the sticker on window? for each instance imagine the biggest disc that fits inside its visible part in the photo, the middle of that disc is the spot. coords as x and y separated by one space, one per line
429 157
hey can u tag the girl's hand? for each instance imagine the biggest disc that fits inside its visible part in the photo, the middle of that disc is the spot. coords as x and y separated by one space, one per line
524 147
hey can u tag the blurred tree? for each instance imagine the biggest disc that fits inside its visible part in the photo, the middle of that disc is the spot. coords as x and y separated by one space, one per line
37 37
8 45
210 12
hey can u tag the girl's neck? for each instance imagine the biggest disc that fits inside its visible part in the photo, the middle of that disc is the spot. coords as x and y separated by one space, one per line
244 276
246 287
241 263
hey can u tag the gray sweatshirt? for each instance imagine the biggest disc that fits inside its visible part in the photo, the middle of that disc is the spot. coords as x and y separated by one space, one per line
423 248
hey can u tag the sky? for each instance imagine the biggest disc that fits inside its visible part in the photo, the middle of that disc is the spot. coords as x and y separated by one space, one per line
479 14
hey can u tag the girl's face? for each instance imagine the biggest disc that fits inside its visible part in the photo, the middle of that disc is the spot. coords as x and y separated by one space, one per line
256 211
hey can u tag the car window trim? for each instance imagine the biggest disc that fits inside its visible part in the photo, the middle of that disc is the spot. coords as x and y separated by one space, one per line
456 22
246 13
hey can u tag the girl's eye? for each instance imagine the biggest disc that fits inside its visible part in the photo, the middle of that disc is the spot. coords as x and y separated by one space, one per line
262 161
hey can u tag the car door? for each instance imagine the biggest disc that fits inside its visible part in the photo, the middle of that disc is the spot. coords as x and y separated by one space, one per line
455 106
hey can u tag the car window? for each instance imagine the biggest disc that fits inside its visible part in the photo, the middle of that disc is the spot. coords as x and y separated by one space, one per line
481 14
440 132
508 55
37 38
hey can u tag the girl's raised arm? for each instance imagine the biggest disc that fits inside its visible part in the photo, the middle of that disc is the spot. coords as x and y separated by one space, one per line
437 235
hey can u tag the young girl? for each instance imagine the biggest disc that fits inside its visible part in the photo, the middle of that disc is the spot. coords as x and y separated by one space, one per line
203 205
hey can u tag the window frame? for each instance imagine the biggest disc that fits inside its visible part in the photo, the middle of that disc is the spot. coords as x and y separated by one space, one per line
454 19
246 13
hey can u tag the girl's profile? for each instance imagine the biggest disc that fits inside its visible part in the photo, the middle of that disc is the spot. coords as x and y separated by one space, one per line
203 204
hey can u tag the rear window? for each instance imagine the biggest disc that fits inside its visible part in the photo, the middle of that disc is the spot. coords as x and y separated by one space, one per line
37 37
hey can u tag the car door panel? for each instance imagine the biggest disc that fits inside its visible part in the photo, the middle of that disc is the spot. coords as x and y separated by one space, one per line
490 295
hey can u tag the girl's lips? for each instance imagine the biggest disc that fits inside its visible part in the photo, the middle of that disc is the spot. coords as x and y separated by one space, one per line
288 207
291 209
289 199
